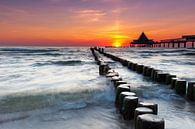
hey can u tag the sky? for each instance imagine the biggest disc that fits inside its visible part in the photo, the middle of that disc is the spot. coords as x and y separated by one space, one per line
92 22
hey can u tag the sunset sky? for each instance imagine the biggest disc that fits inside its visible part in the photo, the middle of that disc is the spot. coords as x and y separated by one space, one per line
92 22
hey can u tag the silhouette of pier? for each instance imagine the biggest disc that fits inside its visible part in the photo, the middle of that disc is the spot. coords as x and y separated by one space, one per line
179 42
142 41
186 41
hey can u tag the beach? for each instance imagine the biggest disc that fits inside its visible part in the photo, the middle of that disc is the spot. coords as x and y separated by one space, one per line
60 87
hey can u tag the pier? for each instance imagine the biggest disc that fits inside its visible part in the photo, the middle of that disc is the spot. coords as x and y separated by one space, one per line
186 41
183 42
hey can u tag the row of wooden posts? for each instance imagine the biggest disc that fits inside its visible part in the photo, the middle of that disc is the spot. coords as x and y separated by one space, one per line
144 114
181 87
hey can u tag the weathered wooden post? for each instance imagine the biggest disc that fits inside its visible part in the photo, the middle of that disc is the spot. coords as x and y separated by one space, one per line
130 65
145 70
121 88
169 77
110 75
134 66
139 68
152 106
173 81
141 111
161 77
180 87
103 69
191 90
149 71
150 121
121 99
130 104
115 79
117 83
154 74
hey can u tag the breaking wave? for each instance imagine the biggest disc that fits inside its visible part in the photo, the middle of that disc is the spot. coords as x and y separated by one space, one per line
61 63
68 100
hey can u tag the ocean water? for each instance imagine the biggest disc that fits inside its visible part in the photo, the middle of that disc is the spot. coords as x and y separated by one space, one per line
60 88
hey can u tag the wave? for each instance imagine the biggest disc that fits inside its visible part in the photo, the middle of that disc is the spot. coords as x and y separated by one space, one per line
50 54
60 63
65 100
30 54
189 54
164 51
4 120
178 62
146 55
28 50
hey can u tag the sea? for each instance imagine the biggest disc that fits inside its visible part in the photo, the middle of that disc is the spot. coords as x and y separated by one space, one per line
60 87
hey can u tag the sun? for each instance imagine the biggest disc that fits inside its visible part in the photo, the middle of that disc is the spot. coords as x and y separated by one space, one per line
117 43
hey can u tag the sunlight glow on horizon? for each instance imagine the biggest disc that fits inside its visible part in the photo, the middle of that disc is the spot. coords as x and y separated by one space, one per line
117 43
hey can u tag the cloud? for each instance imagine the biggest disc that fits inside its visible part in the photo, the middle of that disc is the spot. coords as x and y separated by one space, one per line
91 14
119 10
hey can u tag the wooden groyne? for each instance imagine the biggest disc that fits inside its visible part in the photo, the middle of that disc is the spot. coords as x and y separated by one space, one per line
144 114
182 87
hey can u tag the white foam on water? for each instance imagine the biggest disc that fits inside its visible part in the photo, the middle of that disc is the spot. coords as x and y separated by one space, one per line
57 95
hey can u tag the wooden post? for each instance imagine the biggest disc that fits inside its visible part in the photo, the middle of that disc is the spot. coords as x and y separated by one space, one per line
173 45
152 106
130 103
184 44
178 45
193 44
190 91
168 45
180 87
149 121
